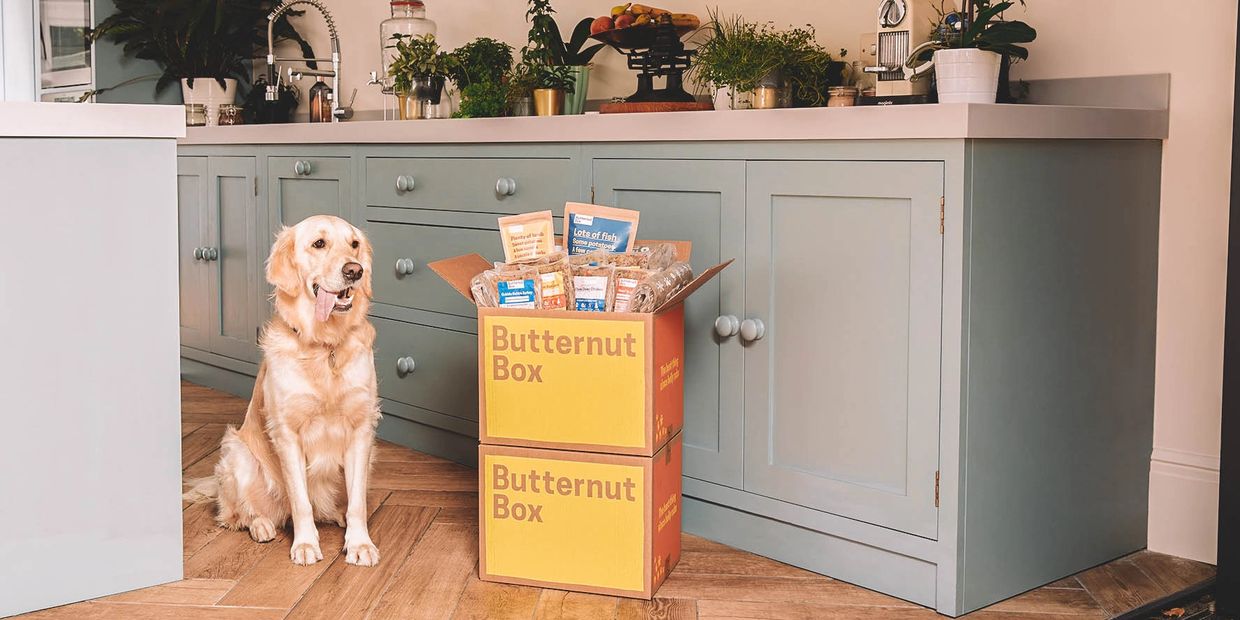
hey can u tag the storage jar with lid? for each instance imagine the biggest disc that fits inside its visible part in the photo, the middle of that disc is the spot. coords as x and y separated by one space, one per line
408 19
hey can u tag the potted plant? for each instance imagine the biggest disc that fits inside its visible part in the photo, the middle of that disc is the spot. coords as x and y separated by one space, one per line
551 84
547 48
970 49
519 87
482 66
418 70
207 45
764 67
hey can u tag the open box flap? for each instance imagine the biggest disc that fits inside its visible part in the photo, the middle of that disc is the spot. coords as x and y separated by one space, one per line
689 288
460 270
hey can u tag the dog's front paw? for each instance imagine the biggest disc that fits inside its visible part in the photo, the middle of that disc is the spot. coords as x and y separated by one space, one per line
363 553
305 553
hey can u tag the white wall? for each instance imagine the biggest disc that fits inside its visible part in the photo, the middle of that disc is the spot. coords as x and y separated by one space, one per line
1192 40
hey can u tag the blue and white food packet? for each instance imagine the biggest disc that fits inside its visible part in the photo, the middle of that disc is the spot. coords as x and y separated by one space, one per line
589 228
517 290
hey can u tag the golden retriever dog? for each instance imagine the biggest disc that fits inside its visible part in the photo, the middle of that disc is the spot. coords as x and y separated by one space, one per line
304 449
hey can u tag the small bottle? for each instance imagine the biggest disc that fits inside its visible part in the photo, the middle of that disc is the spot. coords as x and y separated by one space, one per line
320 102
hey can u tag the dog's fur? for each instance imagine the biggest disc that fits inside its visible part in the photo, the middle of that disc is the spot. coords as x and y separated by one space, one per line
304 450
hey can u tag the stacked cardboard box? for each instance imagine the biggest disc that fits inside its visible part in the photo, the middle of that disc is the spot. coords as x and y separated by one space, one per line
580 460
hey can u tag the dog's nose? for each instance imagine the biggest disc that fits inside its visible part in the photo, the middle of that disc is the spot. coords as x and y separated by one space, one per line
352 272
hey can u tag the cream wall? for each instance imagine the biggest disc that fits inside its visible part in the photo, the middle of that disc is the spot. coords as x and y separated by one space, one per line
1078 38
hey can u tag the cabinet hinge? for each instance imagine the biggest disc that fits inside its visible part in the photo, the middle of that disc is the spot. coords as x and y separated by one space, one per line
936 489
942 214
591 194
255 186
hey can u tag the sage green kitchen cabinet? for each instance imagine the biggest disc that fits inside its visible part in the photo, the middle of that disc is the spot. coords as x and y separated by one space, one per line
929 371
220 263
192 212
702 201
301 186
841 334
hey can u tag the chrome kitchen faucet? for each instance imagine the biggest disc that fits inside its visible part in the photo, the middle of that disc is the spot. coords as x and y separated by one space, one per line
339 112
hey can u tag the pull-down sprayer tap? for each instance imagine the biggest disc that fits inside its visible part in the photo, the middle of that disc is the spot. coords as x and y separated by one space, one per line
339 112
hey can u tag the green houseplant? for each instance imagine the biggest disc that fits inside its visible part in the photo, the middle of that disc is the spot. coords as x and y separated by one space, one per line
547 49
419 69
202 43
764 67
972 51
482 66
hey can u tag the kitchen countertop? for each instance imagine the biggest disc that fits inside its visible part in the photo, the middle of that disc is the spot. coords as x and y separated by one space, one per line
24 119
936 121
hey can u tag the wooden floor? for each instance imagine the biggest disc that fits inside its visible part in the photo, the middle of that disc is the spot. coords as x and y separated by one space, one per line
425 523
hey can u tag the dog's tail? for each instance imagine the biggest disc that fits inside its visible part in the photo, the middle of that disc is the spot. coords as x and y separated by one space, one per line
201 490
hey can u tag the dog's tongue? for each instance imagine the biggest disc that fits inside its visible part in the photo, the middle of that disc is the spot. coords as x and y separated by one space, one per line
324 303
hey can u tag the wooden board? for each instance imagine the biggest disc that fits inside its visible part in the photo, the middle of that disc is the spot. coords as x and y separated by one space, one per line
655 106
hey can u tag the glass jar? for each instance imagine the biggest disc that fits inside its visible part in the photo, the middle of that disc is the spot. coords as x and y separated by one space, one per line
195 115
408 19
230 114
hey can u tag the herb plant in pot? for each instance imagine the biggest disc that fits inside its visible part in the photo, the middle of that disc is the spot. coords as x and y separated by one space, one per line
206 45
419 70
551 84
481 68
969 50
764 67
547 48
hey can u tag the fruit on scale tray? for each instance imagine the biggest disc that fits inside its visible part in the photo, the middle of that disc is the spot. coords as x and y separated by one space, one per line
631 15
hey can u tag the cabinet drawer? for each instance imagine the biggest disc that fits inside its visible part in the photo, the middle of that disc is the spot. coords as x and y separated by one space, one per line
422 244
444 376
470 184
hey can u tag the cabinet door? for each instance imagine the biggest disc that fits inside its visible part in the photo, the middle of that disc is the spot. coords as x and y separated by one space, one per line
298 187
843 269
192 215
702 202
236 266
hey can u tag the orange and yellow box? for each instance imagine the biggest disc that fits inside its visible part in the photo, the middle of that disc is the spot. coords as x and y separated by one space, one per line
582 521
606 382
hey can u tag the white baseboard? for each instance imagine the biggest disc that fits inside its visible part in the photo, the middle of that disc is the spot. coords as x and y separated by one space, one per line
1184 505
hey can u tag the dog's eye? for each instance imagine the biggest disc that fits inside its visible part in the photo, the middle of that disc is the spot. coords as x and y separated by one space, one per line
355 244
320 244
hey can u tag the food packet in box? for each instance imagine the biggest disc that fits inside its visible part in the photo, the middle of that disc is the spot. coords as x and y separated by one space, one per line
593 287
588 228
527 237
660 286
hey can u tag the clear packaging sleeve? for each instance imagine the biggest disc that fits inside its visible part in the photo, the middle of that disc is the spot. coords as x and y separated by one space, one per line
660 286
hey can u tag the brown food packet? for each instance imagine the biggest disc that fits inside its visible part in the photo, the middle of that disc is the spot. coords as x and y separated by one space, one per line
517 288
626 281
659 287
593 288
555 282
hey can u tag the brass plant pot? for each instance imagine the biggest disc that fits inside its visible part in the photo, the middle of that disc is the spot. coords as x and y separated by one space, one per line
548 102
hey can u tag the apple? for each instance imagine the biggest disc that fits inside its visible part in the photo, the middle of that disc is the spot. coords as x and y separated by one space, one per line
601 24
626 20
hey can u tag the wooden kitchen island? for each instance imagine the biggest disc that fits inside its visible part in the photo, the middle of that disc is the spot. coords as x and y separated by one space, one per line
952 399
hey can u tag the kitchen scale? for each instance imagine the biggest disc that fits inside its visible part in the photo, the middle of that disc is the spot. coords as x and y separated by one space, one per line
654 50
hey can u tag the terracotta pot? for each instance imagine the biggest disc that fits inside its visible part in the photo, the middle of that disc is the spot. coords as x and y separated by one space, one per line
548 102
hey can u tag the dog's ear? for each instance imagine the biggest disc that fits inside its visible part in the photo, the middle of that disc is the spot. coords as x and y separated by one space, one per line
281 270
366 253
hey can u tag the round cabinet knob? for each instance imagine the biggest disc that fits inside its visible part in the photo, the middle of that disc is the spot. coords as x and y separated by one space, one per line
506 186
197 253
404 183
727 326
404 266
752 330
301 167
404 365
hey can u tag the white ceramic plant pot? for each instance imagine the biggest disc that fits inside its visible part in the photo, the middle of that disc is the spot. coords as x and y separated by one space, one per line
208 92
967 75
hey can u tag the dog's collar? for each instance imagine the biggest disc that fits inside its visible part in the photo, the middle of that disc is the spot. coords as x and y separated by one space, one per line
331 351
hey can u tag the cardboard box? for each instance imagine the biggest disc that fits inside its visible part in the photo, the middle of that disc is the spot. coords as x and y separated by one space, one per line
599 523
607 382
